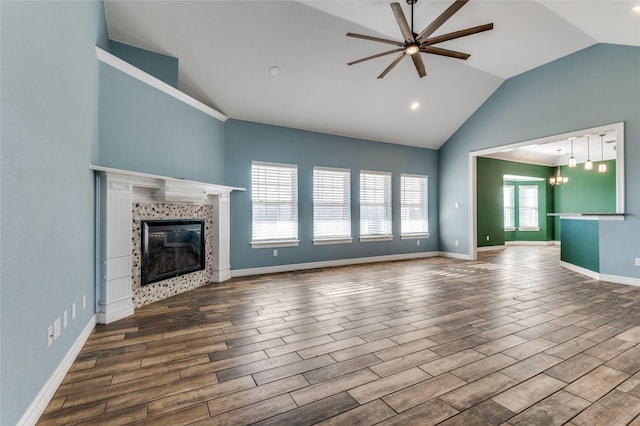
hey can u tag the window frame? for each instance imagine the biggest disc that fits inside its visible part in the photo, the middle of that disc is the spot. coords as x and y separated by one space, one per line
387 204
528 227
512 190
345 204
285 241
423 205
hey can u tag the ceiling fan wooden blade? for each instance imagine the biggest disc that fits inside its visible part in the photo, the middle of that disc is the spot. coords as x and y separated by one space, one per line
374 56
457 34
444 52
378 39
451 10
393 64
417 61
402 22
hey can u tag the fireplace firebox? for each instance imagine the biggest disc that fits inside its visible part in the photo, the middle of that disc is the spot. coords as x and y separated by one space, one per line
171 248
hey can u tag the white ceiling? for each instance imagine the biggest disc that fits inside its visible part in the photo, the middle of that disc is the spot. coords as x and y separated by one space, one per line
225 49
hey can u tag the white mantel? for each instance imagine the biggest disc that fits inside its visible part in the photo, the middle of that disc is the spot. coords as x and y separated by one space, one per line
116 190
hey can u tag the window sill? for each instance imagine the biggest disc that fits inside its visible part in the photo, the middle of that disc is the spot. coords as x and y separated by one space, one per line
509 229
274 243
325 241
374 238
529 229
415 236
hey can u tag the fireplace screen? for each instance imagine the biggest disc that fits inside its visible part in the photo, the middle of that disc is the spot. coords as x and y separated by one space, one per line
171 248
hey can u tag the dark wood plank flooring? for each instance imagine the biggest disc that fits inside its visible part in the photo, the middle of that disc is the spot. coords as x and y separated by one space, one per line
510 339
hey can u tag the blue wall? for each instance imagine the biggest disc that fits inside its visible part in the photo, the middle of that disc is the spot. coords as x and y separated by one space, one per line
145 130
595 86
49 135
245 142
160 66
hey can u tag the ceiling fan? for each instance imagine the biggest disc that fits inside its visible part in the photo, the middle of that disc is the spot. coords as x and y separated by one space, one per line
414 44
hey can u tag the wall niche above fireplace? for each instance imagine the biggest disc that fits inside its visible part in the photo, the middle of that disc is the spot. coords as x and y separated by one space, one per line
171 248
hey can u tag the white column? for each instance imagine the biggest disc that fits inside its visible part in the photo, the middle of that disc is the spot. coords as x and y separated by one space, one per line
221 246
115 294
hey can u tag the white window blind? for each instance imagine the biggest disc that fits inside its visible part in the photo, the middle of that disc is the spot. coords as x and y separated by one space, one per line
331 203
509 207
375 203
413 204
274 196
527 206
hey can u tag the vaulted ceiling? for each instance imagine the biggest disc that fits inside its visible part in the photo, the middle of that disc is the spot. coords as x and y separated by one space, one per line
226 49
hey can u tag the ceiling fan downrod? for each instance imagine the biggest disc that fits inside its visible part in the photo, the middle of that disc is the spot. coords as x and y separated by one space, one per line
411 3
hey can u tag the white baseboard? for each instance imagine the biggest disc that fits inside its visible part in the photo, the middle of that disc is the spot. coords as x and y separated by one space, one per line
579 269
491 248
530 243
38 405
459 256
330 263
620 280
616 279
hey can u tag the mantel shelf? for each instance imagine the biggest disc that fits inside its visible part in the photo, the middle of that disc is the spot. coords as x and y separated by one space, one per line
168 188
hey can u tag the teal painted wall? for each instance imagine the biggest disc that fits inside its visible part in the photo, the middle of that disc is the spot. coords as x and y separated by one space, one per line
580 243
490 206
49 134
247 141
586 192
595 86
160 66
144 130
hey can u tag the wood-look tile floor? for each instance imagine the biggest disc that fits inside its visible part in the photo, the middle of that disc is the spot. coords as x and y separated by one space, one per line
511 339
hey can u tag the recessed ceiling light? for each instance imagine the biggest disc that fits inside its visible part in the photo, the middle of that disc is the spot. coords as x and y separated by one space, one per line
274 71
636 9
415 106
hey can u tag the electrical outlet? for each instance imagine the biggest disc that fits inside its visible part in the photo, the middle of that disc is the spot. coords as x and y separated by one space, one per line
50 335
275 252
73 311
637 261
487 238
84 302
56 328
417 242
65 319
457 205
456 243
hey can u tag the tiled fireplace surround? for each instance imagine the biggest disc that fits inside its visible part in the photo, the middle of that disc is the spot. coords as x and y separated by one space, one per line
126 198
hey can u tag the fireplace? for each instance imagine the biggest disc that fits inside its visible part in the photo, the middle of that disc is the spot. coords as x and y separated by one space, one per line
124 201
171 248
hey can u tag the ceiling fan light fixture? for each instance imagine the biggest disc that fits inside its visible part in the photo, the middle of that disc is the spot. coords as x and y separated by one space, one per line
412 49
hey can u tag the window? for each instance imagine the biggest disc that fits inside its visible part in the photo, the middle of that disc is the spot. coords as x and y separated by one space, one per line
528 207
413 206
375 206
331 205
509 208
274 197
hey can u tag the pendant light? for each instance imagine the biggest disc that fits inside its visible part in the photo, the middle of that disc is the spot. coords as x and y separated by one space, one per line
602 167
558 179
572 159
588 165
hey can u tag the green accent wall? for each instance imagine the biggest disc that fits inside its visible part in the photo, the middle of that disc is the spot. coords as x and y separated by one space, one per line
586 191
580 243
490 181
